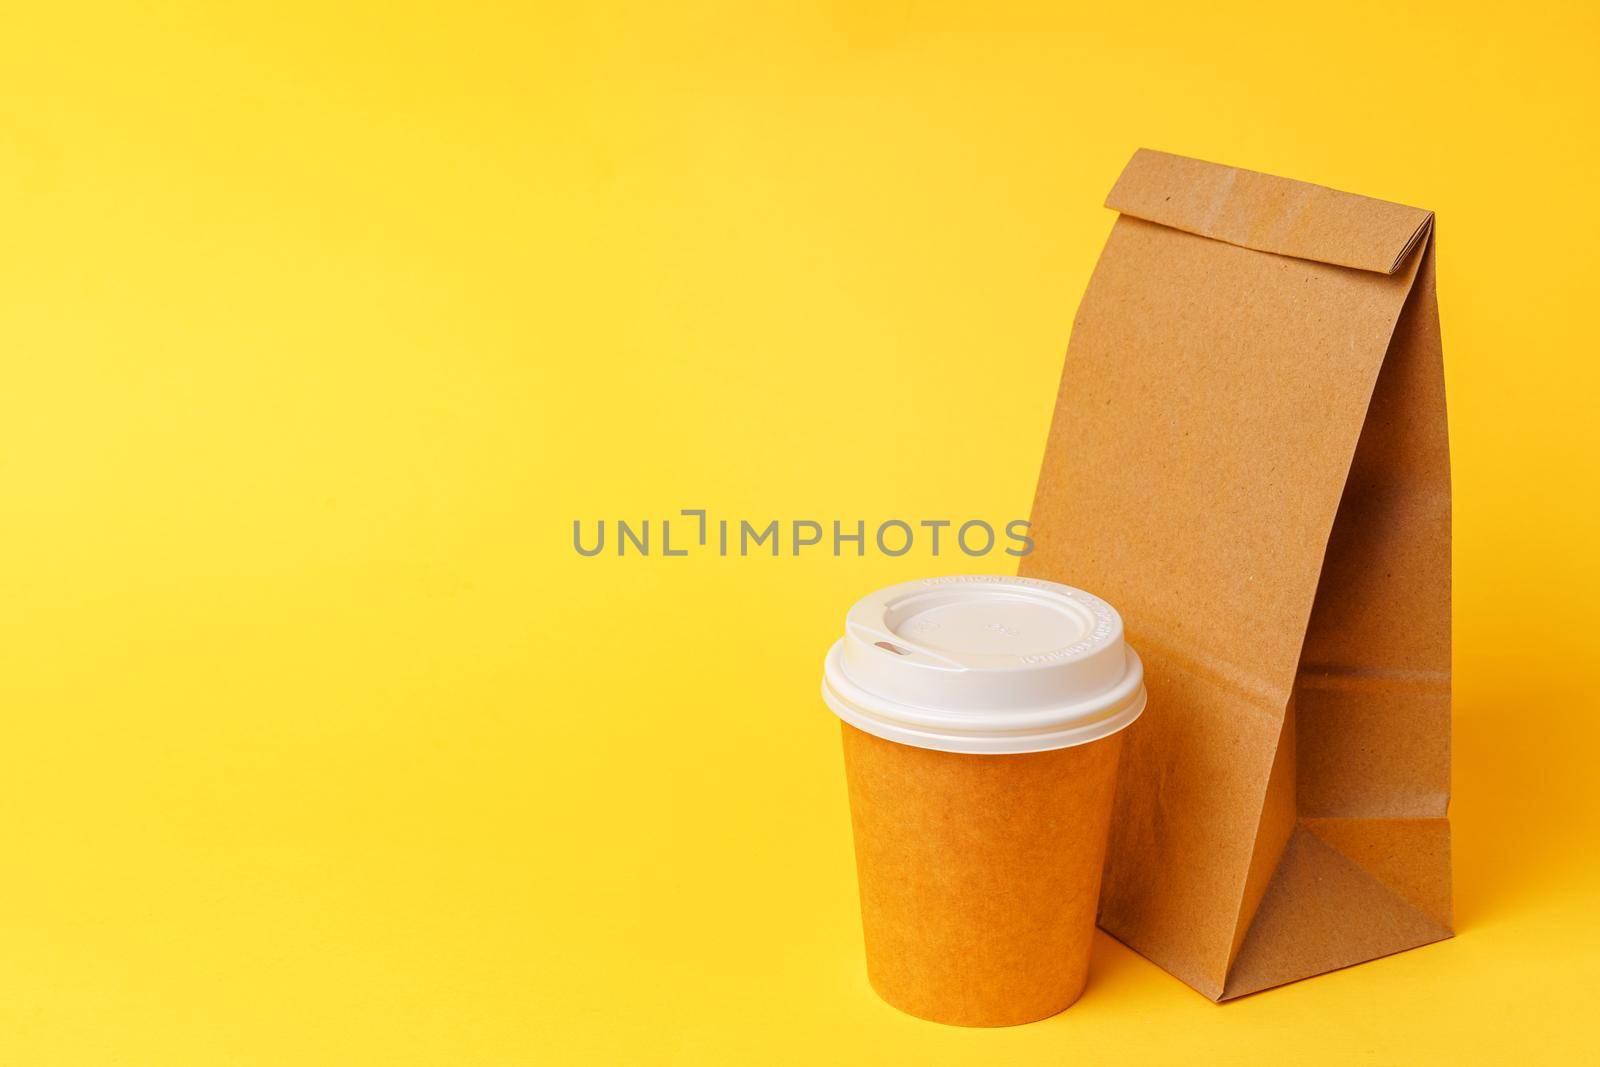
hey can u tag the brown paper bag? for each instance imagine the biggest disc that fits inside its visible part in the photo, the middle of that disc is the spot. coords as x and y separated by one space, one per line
1249 458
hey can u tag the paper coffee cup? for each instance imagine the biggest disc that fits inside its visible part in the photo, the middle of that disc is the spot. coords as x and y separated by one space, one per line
982 722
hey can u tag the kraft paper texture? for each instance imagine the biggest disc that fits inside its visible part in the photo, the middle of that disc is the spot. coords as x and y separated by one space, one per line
979 874
1249 458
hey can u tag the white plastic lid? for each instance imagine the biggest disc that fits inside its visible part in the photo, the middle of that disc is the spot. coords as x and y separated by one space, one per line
981 663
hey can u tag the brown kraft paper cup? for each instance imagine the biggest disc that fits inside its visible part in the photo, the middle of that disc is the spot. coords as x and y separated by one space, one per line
982 721
979 874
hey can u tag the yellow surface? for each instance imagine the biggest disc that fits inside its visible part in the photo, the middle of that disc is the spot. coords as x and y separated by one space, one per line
322 323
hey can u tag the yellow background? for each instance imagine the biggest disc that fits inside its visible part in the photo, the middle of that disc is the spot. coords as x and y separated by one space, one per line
320 323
